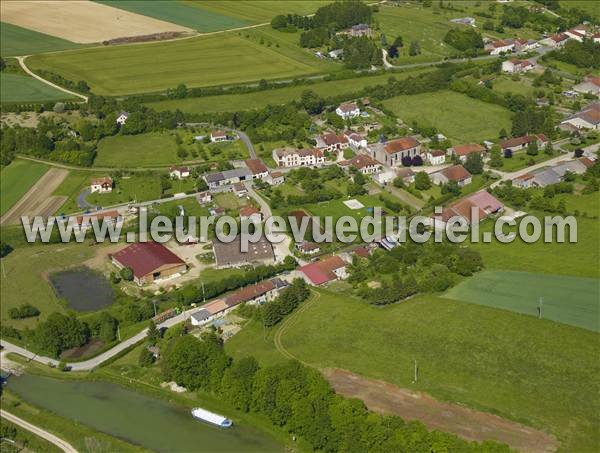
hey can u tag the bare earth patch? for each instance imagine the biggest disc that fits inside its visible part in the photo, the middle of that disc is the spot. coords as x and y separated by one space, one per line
81 21
382 397
38 200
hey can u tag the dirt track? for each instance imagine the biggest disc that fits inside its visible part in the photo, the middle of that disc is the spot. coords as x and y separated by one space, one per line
38 200
81 21
382 397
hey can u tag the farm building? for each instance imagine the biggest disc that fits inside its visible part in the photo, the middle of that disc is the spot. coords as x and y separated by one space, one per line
587 118
590 85
101 185
499 46
257 167
229 254
518 143
406 174
475 207
464 21
227 177
462 151
326 270
149 261
275 178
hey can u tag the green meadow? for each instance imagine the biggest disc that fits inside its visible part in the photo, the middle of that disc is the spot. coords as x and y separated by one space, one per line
565 299
16 179
23 88
143 150
537 372
227 58
275 96
258 11
15 41
181 13
459 117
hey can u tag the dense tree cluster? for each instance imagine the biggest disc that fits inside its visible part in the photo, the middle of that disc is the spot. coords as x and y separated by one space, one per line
60 332
24 311
361 53
464 39
584 54
289 299
343 14
411 269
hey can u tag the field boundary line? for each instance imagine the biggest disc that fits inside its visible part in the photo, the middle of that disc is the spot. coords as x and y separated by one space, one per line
289 321
21 61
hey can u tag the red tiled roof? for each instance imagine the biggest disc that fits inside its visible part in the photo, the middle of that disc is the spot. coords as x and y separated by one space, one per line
249 292
586 161
348 107
463 150
518 141
402 144
180 169
145 257
321 272
437 153
456 173
308 246
105 180
363 252
362 160
247 211
256 166
329 138
109 215
218 133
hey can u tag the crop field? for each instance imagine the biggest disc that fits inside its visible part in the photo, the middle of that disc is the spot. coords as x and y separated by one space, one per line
88 22
258 11
203 61
492 360
578 259
569 300
459 117
178 12
137 150
16 179
23 88
27 283
414 23
237 102
15 41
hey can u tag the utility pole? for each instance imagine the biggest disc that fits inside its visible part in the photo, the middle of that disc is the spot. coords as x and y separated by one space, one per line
154 304
540 308
203 294
416 372
119 332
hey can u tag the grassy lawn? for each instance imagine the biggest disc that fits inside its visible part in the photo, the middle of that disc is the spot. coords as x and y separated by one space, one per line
537 372
258 11
570 300
16 179
222 59
15 41
237 102
23 88
153 148
505 84
585 5
578 259
455 115
25 270
229 200
521 160
180 13
233 150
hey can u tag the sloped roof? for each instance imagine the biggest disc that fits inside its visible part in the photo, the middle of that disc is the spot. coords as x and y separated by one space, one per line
456 173
401 144
322 271
468 148
145 257
256 166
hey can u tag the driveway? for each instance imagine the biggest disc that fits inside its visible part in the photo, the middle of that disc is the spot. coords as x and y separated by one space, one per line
81 200
63 445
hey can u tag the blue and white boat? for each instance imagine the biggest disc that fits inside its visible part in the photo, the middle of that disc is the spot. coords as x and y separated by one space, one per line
210 417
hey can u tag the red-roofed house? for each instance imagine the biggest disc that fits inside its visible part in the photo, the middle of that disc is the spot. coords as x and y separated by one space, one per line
363 163
324 271
258 168
331 142
499 46
149 261
298 157
102 185
436 157
518 143
480 204
462 151
515 65
456 173
250 213
392 152
218 136
355 140
179 172
348 110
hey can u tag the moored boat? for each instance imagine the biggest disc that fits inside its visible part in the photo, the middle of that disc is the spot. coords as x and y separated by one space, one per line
212 418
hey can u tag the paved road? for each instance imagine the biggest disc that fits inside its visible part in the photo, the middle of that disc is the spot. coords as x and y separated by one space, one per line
81 200
92 363
246 140
63 445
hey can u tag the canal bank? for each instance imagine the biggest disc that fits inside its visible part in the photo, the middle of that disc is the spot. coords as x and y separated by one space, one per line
136 418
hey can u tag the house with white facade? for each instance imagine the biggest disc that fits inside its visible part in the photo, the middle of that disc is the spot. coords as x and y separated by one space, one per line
436 157
330 142
218 136
590 85
587 118
179 172
515 66
298 157
258 168
101 185
355 140
363 163
348 110
499 46
122 118
391 153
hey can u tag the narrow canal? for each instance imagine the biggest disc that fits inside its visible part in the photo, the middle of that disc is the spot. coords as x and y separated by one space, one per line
136 418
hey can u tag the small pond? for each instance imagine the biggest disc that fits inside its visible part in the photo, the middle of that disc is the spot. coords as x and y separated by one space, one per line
82 288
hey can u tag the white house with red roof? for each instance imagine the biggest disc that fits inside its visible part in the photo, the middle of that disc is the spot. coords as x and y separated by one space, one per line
324 271
518 143
363 163
258 168
218 136
298 157
250 213
476 207
462 151
436 157
556 40
330 142
590 85
391 153
101 185
179 172
514 66
348 110
355 140
499 46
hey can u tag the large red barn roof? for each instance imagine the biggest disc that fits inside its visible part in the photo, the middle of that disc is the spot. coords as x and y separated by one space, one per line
145 257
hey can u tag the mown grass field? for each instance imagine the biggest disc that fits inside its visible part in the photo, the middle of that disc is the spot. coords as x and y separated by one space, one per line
459 117
141 150
16 40
577 259
569 300
237 102
258 11
23 88
178 12
537 372
221 59
16 179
